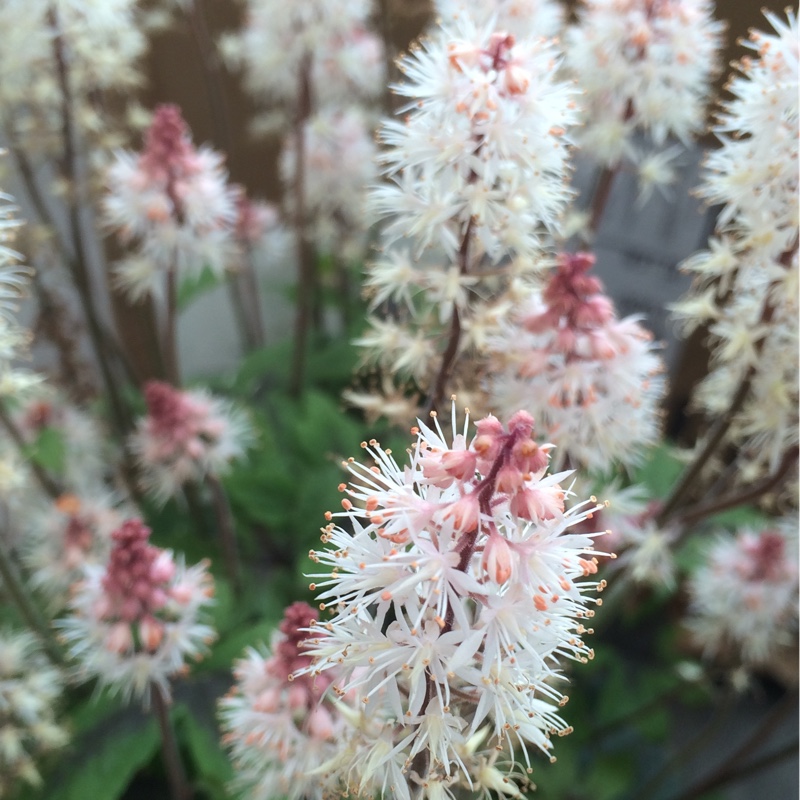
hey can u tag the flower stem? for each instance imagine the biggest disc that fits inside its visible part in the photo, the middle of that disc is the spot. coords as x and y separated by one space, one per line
451 350
732 767
227 531
45 480
15 589
701 510
170 336
305 256
79 265
176 773
602 191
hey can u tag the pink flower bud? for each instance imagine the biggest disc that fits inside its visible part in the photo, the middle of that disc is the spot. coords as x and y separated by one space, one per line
529 457
151 632
497 559
182 593
517 80
320 723
460 464
538 504
163 568
119 639
267 701
509 479
523 422
297 696
465 513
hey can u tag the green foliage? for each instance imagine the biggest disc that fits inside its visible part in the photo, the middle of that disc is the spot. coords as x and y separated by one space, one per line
105 758
659 470
197 285
48 450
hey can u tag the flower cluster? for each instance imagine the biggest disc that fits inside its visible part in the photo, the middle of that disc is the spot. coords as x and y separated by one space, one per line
44 410
29 690
185 436
745 596
746 284
339 154
281 729
96 46
645 66
592 380
478 170
14 279
454 595
134 623
173 203
63 537
324 43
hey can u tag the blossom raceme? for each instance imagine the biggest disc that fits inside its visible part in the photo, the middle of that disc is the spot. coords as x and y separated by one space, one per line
185 436
743 599
594 381
478 177
328 39
644 65
454 593
173 203
29 691
65 535
746 282
134 623
279 729
339 153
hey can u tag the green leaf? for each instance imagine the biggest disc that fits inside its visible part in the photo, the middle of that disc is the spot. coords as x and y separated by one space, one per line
610 776
660 470
106 759
211 765
191 288
49 450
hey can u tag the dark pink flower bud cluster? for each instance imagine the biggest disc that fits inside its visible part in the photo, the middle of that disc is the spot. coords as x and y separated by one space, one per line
135 588
137 574
179 422
574 298
767 557
253 218
503 467
168 149
289 657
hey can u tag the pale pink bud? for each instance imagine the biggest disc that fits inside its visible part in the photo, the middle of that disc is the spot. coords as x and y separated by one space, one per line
267 701
517 80
182 593
297 696
463 55
320 723
522 421
460 464
163 568
565 340
195 448
509 479
497 559
529 457
119 639
537 504
151 632
465 513
601 345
